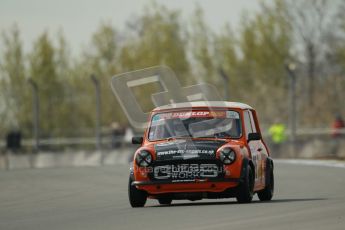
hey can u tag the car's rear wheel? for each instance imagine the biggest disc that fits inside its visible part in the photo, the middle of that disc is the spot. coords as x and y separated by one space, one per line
245 190
267 193
165 201
137 198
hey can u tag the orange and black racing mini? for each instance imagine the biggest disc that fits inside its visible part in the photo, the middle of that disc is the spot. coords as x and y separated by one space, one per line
200 150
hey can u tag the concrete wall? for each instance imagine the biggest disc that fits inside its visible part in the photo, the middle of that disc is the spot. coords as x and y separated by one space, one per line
65 159
308 148
316 147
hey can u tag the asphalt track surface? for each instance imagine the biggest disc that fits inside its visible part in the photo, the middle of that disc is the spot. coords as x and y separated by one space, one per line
306 197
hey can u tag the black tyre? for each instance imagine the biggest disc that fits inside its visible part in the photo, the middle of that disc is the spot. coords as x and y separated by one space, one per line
165 201
267 193
137 198
245 190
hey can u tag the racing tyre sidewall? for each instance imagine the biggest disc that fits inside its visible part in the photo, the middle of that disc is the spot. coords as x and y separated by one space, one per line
245 189
267 193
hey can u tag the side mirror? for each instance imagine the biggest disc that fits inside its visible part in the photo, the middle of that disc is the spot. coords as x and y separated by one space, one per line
254 137
137 140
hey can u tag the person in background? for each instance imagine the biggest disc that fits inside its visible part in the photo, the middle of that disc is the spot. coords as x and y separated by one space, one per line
337 126
337 133
117 133
277 132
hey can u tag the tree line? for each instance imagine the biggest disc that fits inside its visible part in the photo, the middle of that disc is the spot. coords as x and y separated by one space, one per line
254 56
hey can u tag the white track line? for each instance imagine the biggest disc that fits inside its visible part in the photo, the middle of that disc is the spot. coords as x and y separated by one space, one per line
326 163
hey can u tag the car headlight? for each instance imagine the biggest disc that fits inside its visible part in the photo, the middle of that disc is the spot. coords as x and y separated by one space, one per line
227 156
143 158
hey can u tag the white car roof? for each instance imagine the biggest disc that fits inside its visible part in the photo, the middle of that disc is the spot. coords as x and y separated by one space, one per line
204 104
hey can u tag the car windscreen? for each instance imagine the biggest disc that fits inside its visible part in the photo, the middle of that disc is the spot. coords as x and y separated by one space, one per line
195 124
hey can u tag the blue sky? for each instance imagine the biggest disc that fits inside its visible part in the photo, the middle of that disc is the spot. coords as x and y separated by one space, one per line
78 19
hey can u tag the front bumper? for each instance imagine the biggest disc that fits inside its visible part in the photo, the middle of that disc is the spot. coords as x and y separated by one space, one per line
216 185
213 185
236 180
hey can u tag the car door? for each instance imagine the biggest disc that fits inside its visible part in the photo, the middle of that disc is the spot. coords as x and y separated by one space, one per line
256 149
261 148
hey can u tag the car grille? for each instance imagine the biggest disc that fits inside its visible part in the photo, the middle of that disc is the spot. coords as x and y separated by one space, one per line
186 170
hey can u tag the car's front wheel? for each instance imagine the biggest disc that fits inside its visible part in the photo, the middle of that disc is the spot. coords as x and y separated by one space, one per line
165 201
245 190
137 198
